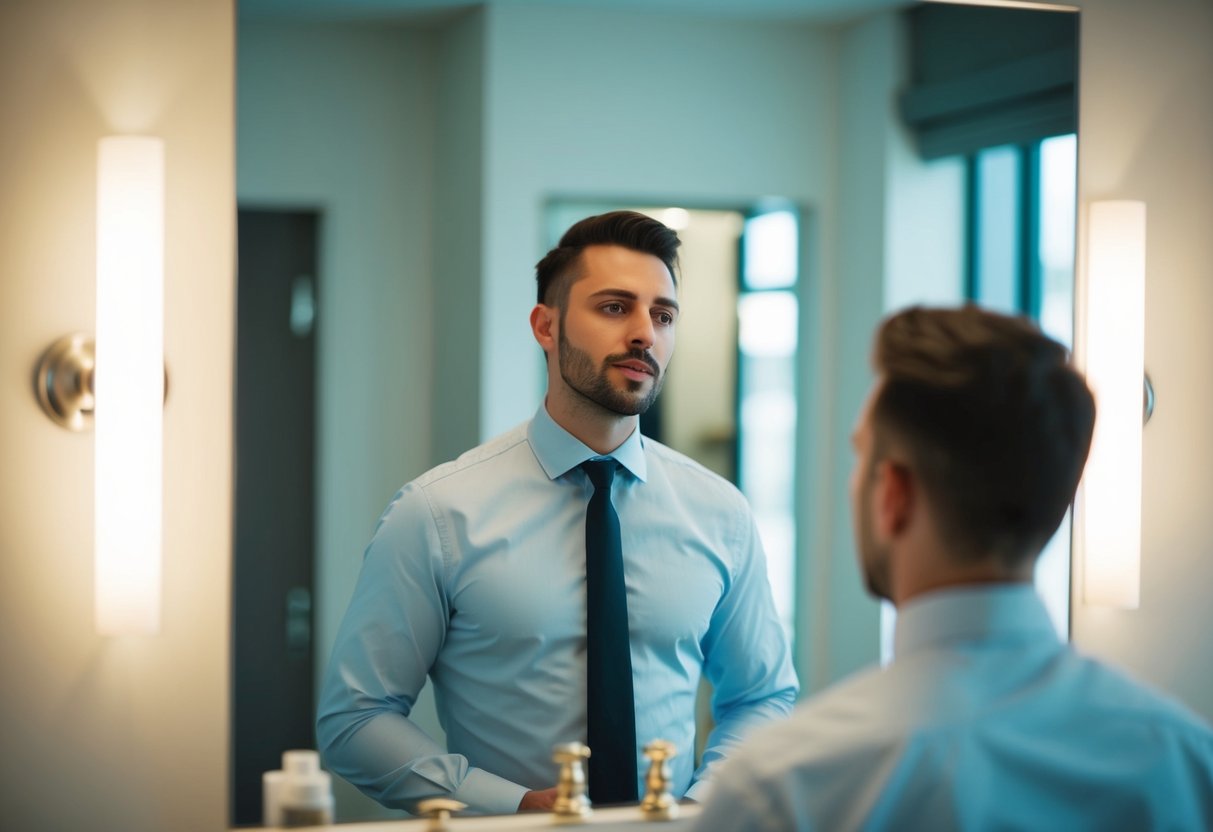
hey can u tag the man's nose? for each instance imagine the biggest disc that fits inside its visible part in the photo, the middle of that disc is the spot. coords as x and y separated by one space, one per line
642 334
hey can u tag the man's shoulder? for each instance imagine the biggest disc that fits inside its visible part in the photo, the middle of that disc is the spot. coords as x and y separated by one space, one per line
482 460
828 734
1113 692
683 471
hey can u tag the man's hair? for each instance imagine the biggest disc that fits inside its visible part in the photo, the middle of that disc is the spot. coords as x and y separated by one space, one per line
995 420
558 269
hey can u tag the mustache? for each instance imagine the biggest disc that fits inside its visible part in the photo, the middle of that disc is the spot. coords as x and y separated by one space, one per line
635 355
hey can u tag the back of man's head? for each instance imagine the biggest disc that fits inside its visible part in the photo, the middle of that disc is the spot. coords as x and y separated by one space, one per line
630 229
995 421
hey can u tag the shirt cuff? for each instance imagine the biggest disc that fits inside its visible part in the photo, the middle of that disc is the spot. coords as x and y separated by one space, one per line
489 794
699 791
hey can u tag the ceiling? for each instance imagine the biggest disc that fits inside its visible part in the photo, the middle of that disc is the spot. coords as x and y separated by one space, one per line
815 11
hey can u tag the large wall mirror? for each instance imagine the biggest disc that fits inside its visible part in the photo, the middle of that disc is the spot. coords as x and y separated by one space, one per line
402 164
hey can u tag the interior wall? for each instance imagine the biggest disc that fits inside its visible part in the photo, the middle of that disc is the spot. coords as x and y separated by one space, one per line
119 733
340 118
1145 132
700 111
838 623
459 232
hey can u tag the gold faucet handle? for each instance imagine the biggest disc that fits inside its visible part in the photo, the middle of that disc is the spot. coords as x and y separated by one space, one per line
570 752
572 805
658 803
438 810
661 750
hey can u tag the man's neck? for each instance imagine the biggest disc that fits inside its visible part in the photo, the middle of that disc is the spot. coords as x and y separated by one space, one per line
947 573
597 428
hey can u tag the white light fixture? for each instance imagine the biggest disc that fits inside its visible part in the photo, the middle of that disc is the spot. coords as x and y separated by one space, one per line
1046 6
1114 355
122 388
676 218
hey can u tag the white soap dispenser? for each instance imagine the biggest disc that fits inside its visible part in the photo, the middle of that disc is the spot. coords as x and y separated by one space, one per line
301 794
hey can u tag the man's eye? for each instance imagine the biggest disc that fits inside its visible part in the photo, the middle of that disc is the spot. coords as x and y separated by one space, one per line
613 308
664 318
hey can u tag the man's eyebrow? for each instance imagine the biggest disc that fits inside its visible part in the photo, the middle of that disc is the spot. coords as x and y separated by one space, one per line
628 295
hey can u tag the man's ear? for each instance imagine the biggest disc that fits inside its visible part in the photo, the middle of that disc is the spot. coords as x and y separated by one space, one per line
894 498
545 326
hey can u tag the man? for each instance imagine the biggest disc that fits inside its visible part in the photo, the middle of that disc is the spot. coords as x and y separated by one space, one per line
968 453
477 574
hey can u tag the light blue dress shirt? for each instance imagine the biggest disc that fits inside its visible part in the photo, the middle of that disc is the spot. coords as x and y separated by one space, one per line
984 720
476 576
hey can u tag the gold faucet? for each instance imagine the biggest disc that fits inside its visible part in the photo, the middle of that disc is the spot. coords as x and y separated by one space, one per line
658 803
572 805
438 810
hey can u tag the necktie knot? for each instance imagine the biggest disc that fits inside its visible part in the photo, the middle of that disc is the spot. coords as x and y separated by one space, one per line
600 471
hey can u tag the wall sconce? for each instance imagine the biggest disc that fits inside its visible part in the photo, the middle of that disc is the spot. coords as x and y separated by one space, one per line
1046 6
1114 352
122 389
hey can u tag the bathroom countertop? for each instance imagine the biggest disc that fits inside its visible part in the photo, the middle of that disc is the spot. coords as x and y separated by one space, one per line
616 819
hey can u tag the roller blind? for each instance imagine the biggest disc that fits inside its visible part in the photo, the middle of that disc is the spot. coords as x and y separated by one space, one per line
982 77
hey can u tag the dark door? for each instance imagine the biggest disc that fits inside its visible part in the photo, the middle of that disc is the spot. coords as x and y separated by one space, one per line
273 703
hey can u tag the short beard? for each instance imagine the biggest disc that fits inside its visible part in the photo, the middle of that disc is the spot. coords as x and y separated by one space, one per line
873 557
579 373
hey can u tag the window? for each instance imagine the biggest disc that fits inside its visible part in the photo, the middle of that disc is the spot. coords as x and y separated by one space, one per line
768 316
1021 261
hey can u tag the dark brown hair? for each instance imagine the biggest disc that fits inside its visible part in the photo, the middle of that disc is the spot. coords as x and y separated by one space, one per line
638 232
996 422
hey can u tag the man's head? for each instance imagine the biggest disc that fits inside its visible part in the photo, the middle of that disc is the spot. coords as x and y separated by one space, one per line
563 265
978 420
606 313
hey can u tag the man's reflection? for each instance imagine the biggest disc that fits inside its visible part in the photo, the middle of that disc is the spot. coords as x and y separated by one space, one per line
477 573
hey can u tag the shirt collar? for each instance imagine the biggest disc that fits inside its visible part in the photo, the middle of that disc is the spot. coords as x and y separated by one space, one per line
558 451
1001 611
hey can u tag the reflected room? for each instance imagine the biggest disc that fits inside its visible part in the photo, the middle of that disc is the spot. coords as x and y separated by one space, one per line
401 167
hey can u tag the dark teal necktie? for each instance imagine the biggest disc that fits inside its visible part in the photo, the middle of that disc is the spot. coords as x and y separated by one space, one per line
611 713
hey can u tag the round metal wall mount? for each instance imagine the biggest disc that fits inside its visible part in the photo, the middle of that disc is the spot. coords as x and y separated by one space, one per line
64 381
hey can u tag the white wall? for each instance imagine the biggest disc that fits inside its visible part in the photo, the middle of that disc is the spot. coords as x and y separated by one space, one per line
123 733
1145 132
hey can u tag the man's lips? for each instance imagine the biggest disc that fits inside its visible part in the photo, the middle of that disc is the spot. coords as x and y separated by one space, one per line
638 368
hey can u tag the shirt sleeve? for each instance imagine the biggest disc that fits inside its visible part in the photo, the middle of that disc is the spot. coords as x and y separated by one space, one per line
746 658
388 640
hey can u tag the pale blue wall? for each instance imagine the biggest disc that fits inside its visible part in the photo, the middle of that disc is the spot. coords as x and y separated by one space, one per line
341 119
459 224
639 107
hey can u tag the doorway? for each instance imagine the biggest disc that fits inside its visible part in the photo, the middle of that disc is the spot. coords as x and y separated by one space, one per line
274 549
